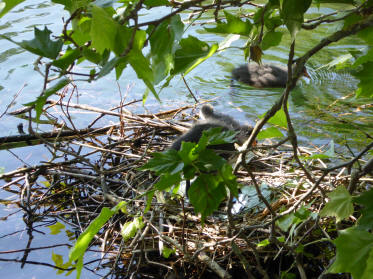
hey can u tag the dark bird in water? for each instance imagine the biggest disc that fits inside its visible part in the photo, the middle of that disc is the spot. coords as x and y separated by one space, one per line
262 76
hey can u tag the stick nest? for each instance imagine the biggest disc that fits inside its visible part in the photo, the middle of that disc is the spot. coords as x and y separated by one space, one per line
91 172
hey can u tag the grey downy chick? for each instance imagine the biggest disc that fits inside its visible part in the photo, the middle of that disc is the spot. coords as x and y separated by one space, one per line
213 119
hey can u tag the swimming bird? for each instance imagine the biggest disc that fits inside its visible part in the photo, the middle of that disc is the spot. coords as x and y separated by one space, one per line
263 76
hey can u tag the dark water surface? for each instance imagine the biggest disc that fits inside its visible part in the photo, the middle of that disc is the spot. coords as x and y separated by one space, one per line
323 108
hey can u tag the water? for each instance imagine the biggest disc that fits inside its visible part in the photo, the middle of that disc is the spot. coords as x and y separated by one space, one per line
319 106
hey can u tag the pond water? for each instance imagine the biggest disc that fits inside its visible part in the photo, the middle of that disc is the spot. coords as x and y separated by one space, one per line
319 106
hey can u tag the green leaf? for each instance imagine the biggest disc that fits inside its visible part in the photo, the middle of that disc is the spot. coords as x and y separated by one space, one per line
228 40
212 136
339 205
56 228
123 37
351 19
156 3
190 171
234 25
41 45
142 68
110 65
81 30
45 183
130 229
271 39
271 132
163 41
293 219
367 57
354 253
215 136
40 101
279 119
66 3
84 4
188 152
91 55
281 239
335 1
103 30
67 59
166 252
167 180
206 193
212 50
366 81
140 38
292 12
367 35
77 251
229 179
191 49
273 22
287 275
7 5
366 219
285 222
300 249
164 162
209 161
369 267
274 3
149 199
58 261
263 243
303 213
120 66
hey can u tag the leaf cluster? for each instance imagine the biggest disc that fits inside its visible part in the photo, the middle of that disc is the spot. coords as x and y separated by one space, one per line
213 173
354 244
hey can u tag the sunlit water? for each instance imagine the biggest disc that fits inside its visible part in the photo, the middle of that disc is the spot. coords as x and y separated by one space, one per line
317 105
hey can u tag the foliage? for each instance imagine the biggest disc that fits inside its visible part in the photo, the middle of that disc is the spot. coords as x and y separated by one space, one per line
213 173
340 204
77 252
354 253
355 244
366 219
129 229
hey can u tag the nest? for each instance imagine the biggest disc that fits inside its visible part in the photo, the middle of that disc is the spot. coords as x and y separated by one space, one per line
92 171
